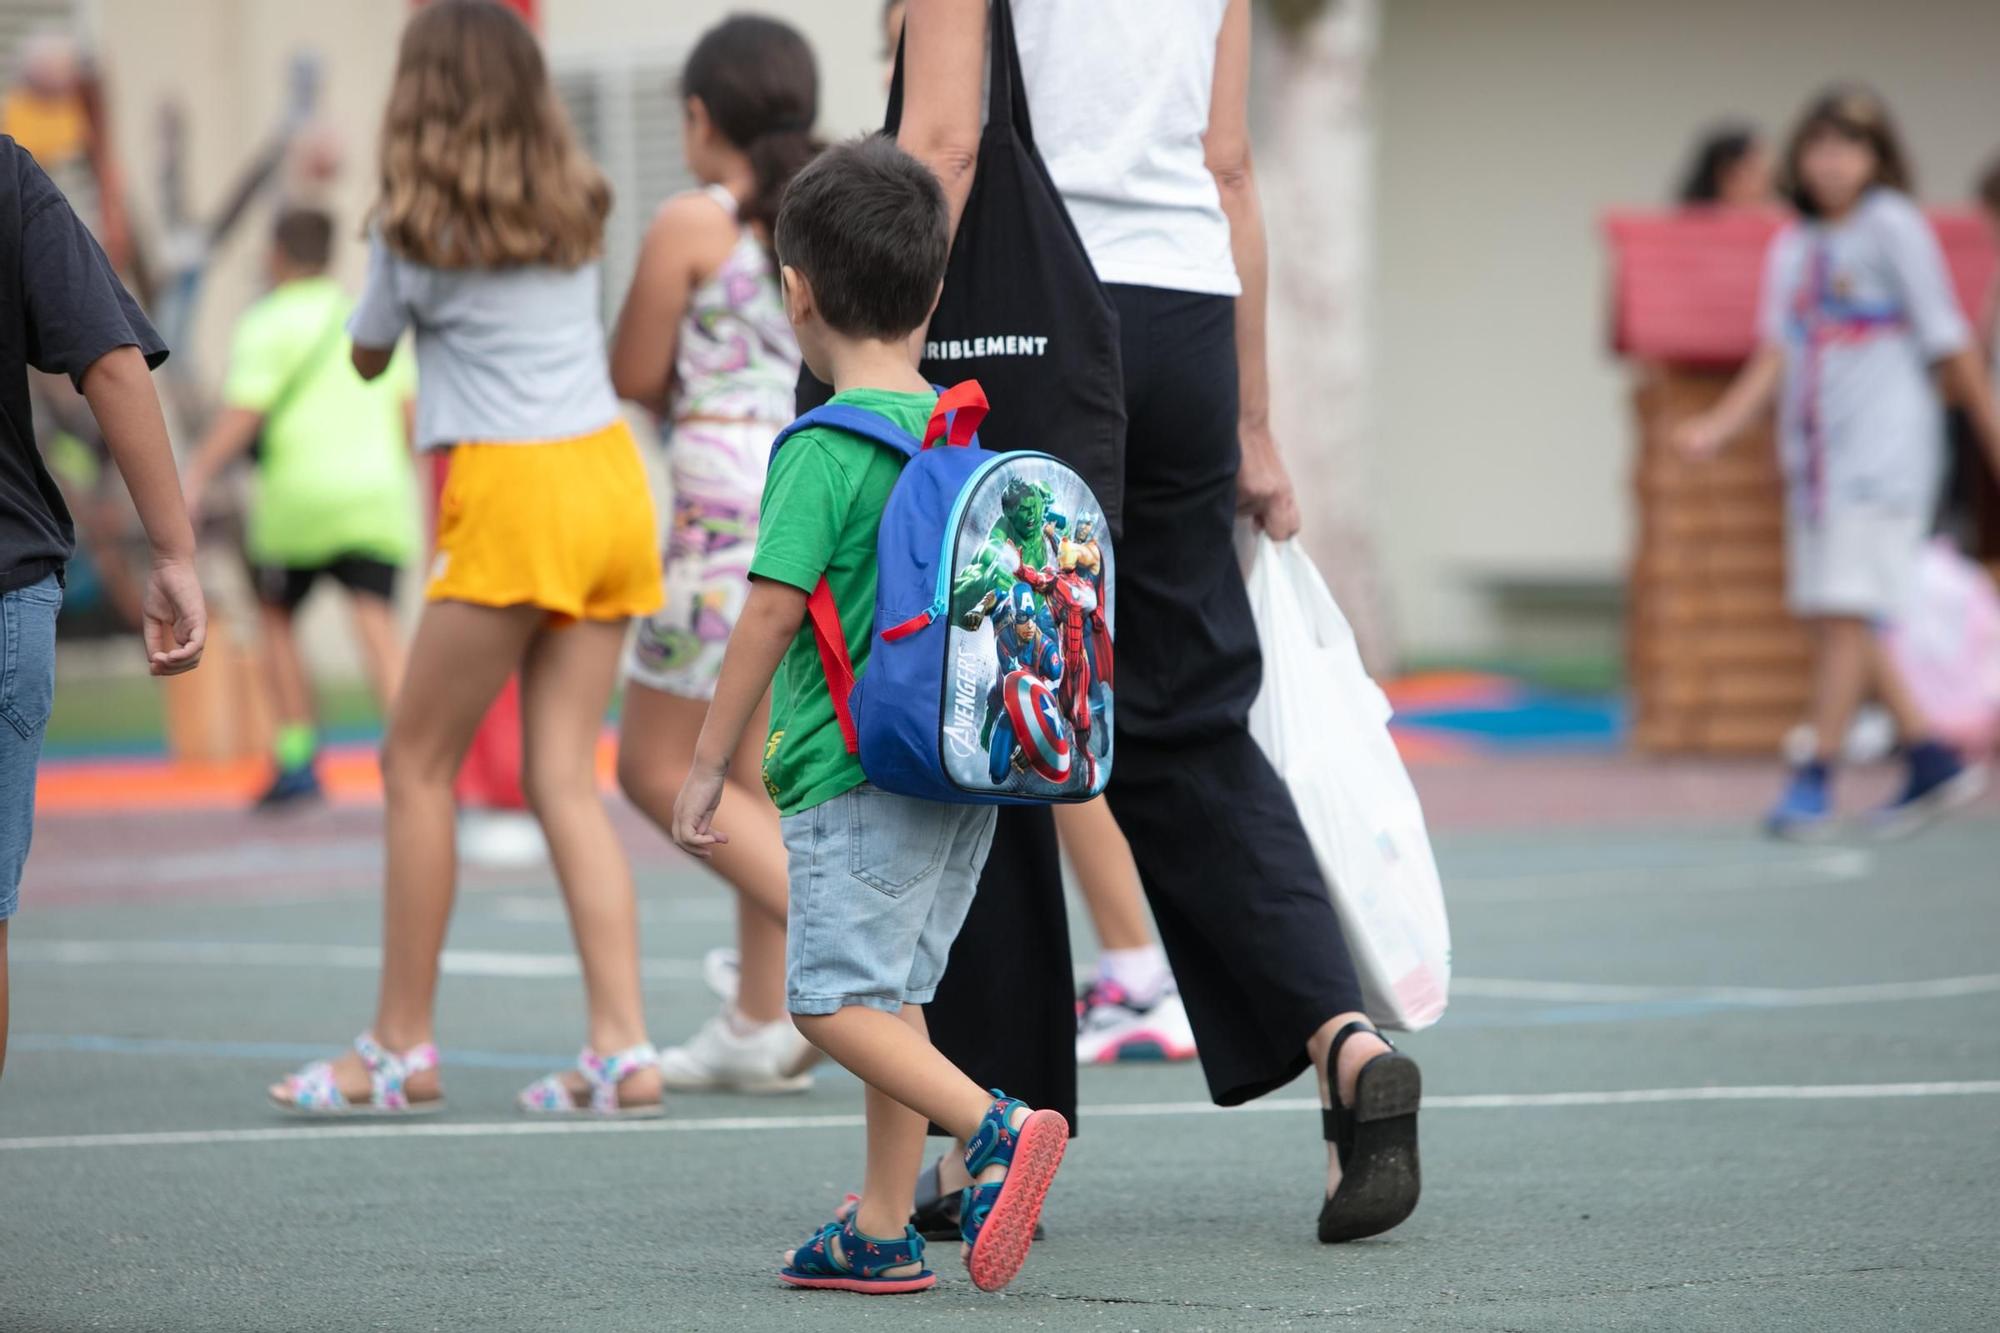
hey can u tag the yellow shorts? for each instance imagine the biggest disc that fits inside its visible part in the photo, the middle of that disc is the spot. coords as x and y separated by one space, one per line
566 525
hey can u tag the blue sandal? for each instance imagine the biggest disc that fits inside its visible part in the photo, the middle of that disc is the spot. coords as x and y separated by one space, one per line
997 1220
860 1263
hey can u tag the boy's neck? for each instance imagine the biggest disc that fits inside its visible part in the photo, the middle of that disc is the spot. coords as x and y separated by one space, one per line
871 363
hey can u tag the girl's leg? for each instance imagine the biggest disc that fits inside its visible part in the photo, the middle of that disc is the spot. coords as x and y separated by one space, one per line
1841 676
566 685
463 654
381 646
1911 724
655 745
1098 853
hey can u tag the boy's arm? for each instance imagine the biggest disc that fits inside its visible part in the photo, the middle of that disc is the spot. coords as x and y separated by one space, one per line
770 621
228 439
119 389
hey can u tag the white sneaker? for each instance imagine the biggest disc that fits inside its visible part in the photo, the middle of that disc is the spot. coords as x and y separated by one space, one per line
1111 1029
773 1059
722 969
501 840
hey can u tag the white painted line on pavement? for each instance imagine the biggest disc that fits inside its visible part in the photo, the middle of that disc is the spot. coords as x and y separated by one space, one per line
563 966
1583 992
302 1132
1834 865
362 957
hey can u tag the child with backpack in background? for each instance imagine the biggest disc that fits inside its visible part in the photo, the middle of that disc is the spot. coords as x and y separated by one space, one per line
546 545
703 341
64 312
880 883
1857 315
335 495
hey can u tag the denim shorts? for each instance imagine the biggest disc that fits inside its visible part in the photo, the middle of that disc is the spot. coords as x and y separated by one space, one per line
27 692
880 885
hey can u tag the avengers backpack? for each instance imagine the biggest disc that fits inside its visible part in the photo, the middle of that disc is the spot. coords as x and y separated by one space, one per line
988 678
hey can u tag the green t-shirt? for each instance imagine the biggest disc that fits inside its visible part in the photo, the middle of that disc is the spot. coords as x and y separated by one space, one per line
334 475
822 509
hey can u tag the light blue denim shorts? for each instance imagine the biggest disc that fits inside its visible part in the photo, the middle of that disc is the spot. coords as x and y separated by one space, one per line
27 693
880 885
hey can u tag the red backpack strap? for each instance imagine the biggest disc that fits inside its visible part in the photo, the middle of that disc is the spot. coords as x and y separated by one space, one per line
957 415
831 640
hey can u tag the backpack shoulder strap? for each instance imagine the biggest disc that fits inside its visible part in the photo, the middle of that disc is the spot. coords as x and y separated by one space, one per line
828 635
855 421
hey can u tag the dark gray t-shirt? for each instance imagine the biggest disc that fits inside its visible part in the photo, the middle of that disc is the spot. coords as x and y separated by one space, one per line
61 308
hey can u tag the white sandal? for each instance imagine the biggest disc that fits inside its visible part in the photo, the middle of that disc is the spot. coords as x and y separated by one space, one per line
550 1095
314 1091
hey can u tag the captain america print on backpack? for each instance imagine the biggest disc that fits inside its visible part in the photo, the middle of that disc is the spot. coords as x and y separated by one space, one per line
988 678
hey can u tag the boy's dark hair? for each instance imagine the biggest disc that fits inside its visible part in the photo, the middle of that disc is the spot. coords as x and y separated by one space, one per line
866 224
1856 113
304 236
1989 186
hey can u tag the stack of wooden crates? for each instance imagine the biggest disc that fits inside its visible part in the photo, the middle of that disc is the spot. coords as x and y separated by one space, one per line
1716 664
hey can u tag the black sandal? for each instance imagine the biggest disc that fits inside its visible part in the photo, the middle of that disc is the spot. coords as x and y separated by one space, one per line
1376 1141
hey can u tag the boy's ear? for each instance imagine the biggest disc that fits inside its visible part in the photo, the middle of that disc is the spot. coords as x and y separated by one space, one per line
798 295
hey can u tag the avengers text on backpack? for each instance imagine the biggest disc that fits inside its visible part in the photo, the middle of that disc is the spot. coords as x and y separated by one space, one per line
988 678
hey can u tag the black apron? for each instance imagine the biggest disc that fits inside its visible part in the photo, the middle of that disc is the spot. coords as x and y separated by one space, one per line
1023 313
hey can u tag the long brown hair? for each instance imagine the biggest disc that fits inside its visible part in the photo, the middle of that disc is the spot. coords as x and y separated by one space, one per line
760 84
1853 112
480 168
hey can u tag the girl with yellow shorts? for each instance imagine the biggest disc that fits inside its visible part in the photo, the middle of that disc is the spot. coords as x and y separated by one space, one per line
546 542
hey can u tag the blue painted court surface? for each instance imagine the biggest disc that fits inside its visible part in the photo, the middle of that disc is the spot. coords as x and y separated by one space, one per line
1689 1080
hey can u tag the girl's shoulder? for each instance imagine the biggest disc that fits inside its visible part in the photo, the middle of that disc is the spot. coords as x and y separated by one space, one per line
695 216
1885 207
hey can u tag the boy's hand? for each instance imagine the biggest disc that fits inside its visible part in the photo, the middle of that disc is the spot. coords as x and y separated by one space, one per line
694 811
176 626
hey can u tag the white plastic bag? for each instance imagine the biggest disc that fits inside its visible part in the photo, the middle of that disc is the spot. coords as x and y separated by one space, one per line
1324 725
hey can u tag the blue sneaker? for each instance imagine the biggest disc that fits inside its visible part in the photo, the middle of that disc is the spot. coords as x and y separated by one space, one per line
1939 783
292 787
1805 811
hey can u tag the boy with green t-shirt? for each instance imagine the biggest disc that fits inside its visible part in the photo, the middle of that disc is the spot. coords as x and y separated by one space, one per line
334 493
880 883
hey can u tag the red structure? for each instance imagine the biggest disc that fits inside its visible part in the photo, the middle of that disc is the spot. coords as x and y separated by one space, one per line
1715 662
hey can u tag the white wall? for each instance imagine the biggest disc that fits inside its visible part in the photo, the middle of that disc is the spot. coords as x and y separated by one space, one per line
846 35
1505 129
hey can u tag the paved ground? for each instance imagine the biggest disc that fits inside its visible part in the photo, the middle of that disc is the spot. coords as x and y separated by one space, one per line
1689 1079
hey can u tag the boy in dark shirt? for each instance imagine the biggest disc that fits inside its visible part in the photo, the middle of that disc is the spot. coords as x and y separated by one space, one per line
63 311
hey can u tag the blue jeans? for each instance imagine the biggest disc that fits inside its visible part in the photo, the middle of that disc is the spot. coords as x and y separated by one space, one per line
27 692
880 886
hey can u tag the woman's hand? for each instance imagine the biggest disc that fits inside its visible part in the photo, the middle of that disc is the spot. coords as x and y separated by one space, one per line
176 618
1263 487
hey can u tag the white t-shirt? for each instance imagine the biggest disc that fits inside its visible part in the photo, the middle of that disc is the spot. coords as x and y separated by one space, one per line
513 356
1118 92
1863 307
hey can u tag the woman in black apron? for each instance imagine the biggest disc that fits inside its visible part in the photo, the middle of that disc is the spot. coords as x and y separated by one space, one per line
1234 885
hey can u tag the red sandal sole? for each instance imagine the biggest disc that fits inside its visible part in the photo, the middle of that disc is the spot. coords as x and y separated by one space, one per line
1003 1242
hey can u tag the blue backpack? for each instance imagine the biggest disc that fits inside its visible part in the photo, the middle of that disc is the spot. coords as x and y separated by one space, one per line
988 679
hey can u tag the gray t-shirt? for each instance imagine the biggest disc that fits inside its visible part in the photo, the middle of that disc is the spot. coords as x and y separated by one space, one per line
1863 307
510 355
